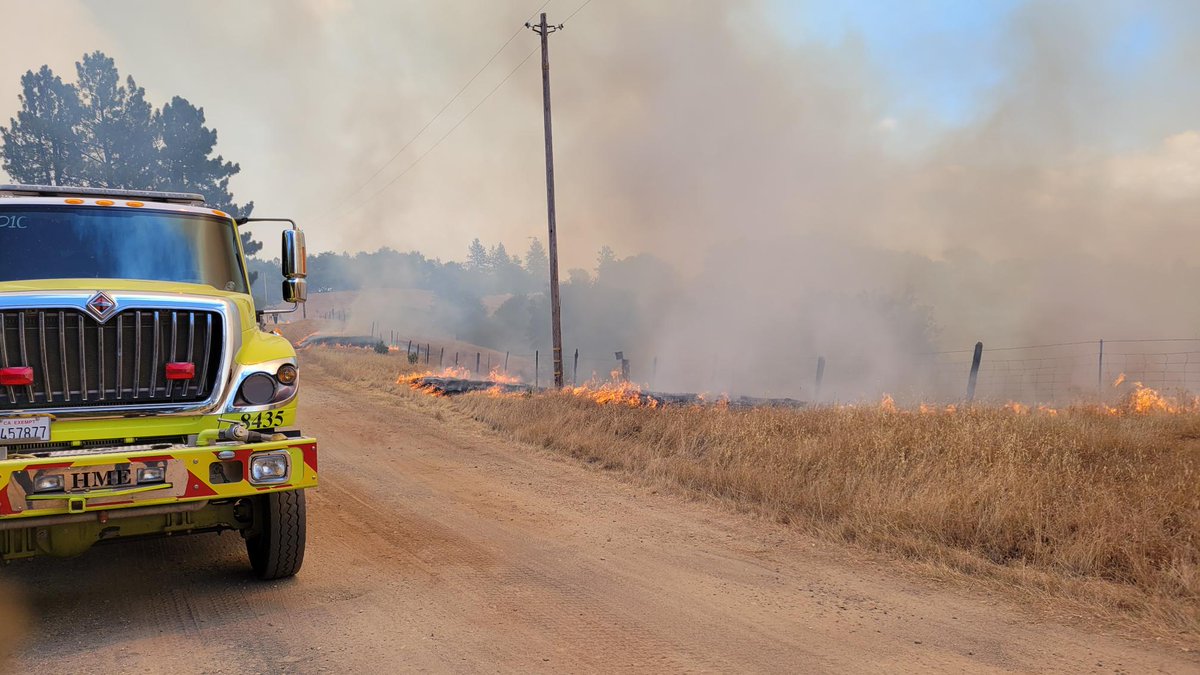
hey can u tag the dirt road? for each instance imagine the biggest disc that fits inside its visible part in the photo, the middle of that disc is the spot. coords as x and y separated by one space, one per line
436 546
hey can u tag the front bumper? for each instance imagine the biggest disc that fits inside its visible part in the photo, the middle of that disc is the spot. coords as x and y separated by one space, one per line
103 482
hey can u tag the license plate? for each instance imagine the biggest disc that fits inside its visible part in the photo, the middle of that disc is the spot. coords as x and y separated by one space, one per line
24 429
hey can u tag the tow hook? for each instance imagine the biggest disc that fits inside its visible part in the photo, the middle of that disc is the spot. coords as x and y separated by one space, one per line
240 434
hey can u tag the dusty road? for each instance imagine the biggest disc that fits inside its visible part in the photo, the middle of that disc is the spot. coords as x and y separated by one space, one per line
436 546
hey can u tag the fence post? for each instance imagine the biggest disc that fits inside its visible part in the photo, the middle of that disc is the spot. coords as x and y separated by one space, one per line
441 355
536 365
477 355
974 377
455 359
408 352
489 362
506 362
426 353
820 377
575 373
1100 375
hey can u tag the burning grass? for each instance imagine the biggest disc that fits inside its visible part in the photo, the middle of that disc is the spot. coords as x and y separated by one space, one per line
1099 506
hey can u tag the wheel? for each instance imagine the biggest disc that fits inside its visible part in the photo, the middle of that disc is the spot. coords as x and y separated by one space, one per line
277 551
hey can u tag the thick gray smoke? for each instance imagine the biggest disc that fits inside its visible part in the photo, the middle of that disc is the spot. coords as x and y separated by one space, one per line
805 213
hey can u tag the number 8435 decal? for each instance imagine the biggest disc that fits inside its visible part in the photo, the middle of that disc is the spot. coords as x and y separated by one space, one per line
268 419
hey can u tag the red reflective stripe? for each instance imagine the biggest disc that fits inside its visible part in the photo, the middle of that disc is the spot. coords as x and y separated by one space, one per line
181 371
310 455
6 508
197 488
18 376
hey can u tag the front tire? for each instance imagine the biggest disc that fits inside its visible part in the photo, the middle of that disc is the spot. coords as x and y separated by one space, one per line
277 551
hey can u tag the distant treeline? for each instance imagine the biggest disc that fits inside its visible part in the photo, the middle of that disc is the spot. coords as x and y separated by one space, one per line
603 306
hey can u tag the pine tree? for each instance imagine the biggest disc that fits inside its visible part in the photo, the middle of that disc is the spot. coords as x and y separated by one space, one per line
498 258
537 264
186 164
119 127
477 256
185 158
604 260
101 132
43 144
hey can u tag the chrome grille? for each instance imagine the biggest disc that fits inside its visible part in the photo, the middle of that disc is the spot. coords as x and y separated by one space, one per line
78 361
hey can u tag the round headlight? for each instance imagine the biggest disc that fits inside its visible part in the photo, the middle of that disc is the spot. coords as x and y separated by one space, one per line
286 374
258 389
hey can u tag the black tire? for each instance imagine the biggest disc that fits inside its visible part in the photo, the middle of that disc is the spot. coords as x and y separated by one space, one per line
277 551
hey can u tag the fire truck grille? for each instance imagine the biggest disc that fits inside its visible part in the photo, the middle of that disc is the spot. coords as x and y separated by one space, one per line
79 362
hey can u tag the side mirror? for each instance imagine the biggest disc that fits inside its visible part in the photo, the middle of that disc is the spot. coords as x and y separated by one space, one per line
295 291
295 262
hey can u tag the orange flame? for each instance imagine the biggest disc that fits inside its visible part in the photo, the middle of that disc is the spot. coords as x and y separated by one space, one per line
499 376
614 392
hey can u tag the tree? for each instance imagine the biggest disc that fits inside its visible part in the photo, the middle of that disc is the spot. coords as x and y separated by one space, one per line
537 263
43 143
604 260
120 128
477 256
498 258
185 158
102 132
186 163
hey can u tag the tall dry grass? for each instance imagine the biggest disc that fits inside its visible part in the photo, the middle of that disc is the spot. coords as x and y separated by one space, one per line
1099 508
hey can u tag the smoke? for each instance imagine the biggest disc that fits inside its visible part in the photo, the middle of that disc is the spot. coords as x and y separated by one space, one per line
806 205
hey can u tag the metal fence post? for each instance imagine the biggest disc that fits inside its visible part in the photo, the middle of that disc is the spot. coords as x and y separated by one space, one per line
974 377
1100 374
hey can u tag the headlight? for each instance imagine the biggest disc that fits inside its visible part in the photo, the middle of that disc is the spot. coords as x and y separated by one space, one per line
258 389
286 374
48 483
151 474
272 467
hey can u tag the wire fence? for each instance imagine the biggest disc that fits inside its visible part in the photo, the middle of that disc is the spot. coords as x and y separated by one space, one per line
1067 372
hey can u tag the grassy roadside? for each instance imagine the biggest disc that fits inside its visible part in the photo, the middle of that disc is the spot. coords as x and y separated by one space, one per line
1101 510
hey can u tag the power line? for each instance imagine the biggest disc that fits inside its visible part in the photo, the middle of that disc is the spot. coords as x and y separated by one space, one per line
572 15
445 107
443 137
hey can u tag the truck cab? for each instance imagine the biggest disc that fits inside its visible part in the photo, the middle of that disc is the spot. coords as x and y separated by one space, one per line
139 394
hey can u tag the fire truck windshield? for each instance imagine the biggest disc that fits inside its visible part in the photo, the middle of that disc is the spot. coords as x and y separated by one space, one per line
89 242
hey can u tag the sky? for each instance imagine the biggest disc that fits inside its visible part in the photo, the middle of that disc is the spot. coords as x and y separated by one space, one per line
313 98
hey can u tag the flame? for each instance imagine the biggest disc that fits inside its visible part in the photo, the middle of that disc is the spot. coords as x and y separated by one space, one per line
1018 408
614 392
501 377
1145 400
888 404
1117 382
414 379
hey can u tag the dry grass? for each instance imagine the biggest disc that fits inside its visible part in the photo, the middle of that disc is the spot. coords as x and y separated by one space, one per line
1103 510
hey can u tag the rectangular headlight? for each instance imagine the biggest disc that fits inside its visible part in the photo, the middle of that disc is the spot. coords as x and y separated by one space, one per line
48 483
151 474
271 467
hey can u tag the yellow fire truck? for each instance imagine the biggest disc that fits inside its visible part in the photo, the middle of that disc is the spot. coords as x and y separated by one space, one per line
138 394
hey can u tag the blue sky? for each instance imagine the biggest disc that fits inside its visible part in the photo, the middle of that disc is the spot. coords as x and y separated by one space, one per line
941 57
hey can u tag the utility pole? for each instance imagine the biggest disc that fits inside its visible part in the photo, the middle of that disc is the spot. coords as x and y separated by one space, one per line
544 30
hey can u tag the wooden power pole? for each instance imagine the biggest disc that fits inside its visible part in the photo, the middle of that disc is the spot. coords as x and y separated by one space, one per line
544 30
